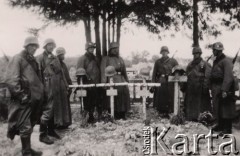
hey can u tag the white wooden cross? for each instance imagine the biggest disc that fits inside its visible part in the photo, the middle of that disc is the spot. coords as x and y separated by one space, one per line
112 92
81 93
144 93
176 79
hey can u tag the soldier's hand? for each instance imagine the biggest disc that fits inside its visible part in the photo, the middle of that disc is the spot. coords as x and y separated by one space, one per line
25 99
224 94
151 90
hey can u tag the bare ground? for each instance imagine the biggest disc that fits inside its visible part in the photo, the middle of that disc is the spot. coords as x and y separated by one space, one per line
121 138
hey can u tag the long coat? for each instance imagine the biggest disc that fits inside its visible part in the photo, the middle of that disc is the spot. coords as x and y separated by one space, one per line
197 99
22 76
90 63
222 80
56 90
122 100
163 95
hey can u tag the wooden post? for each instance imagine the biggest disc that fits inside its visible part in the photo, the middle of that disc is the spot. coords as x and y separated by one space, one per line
81 93
176 79
144 93
112 92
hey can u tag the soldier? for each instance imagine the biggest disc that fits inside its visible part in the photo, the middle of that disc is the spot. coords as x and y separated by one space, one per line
50 68
24 82
223 93
197 99
163 95
90 63
63 109
122 100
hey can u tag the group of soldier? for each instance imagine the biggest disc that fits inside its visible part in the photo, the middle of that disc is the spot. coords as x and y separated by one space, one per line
203 81
40 88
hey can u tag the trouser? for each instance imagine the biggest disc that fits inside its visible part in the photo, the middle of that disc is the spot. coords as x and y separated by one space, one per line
225 124
46 128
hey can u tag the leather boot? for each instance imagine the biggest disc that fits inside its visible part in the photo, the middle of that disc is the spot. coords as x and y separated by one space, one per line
53 133
26 147
44 135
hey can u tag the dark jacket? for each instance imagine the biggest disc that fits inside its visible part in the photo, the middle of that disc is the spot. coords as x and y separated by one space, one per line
222 80
197 99
56 89
163 95
90 63
22 76
122 100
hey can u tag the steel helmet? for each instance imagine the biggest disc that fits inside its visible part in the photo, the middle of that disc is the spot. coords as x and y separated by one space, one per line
110 71
164 48
31 40
80 72
49 40
113 45
90 45
196 50
60 51
144 72
218 46
178 69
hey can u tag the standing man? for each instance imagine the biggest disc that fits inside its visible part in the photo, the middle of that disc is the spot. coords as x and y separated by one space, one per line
23 78
223 92
197 99
49 71
63 110
122 100
163 95
90 63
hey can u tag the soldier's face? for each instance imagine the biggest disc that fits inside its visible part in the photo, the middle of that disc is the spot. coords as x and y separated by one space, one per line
164 53
196 55
32 48
215 52
91 50
61 57
115 51
50 47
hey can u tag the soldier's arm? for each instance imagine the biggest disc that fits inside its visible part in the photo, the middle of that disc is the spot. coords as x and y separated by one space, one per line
40 65
228 75
102 68
80 63
13 77
207 73
154 72
125 71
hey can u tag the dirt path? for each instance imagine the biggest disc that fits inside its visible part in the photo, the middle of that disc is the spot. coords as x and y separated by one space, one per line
123 138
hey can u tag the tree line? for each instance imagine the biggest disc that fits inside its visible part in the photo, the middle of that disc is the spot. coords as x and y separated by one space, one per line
106 17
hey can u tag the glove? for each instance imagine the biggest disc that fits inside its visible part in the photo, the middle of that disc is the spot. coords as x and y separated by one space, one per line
25 99
151 90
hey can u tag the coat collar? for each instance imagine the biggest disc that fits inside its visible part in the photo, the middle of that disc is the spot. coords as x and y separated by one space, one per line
48 55
219 58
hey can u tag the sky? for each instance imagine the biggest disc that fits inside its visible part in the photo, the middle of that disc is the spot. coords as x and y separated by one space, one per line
15 23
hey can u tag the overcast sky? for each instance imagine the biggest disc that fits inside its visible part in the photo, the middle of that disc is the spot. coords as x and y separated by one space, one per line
15 22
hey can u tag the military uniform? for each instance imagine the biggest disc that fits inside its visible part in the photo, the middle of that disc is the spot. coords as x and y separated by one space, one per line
163 95
122 100
23 78
222 82
197 99
62 109
90 64
52 78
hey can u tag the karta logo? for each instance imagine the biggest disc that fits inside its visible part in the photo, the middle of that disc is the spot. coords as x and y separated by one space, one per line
154 140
